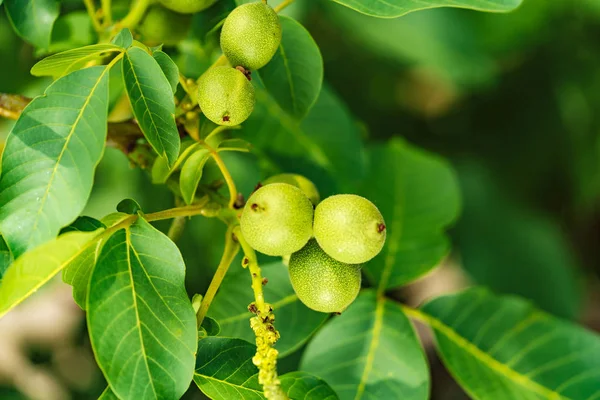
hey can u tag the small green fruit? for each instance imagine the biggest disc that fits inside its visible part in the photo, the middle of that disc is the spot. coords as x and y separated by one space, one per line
187 6
277 219
251 35
302 183
322 283
225 96
161 25
349 228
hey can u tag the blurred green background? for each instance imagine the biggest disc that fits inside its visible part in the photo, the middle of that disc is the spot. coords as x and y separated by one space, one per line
511 100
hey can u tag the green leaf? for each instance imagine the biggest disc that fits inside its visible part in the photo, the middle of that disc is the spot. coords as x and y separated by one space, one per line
295 73
83 224
71 60
152 102
209 327
142 325
224 371
77 272
503 348
370 351
123 39
168 67
507 247
300 385
33 19
36 267
6 258
161 171
50 157
129 206
108 395
235 145
72 30
295 322
397 8
418 199
326 147
191 173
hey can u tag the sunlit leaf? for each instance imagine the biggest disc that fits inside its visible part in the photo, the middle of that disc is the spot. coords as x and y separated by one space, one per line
141 323
396 8
68 61
108 395
191 173
418 199
50 158
33 19
295 322
36 267
152 102
295 73
6 258
123 39
369 352
502 348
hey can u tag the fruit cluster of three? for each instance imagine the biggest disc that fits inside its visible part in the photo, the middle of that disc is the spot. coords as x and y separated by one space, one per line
328 243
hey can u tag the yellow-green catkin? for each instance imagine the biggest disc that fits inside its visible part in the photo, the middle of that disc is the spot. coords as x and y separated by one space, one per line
266 356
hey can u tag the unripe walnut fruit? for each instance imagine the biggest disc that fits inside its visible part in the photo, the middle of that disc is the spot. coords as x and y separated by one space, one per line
322 283
251 35
161 25
187 6
225 96
277 219
349 228
302 183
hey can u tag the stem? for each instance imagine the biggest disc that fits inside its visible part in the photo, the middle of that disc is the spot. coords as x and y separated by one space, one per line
176 229
254 269
231 250
106 10
136 13
186 211
226 175
278 8
220 129
262 325
91 9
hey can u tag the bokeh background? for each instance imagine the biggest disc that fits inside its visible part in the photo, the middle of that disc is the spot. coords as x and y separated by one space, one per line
511 100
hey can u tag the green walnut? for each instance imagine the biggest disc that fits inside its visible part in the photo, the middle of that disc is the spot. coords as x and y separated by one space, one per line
251 35
277 219
322 283
161 25
187 6
349 228
225 96
302 183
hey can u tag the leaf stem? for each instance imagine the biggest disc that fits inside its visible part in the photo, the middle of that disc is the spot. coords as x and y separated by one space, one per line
135 15
186 211
91 10
226 175
107 12
279 7
231 250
